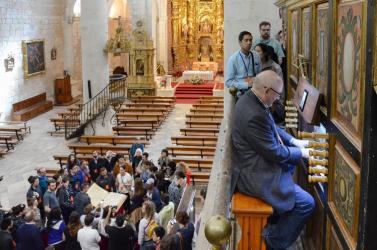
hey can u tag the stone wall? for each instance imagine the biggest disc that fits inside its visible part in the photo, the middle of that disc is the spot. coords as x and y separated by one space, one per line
28 20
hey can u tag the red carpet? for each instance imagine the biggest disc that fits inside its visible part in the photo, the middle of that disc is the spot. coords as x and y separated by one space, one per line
189 93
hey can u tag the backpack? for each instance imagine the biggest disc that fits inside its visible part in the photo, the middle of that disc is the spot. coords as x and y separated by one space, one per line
150 227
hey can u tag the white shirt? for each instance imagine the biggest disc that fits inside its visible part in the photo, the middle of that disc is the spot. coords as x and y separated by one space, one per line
124 183
88 238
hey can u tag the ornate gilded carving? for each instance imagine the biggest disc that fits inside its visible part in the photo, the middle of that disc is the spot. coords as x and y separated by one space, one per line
197 32
141 78
346 188
120 43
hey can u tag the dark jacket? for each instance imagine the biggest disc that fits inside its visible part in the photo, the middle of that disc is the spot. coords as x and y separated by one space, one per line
121 238
29 238
81 200
260 164
6 241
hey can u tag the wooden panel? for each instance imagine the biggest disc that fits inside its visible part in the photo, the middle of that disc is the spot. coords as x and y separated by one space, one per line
306 37
334 243
294 42
29 102
321 61
315 226
348 96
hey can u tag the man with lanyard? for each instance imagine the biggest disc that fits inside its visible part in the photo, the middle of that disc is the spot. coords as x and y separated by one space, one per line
243 65
265 37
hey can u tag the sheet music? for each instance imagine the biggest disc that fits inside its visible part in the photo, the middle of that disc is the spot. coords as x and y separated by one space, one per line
98 194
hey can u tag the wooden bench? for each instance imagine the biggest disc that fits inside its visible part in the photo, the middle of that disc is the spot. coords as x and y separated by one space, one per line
203 124
207 111
16 132
3 152
191 151
147 132
22 125
8 141
150 123
147 105
201 117
199 163
211 97
155 97
59 123
208 106
64 114
251 214
170 103
31 107
200 177
162 111
62 159
214 101
141 116
100 148
210 141
199 131
89 139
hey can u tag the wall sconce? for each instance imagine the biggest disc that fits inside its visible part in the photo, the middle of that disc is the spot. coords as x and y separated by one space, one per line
9 62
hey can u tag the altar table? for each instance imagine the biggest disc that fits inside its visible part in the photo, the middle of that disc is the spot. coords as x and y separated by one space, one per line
204 75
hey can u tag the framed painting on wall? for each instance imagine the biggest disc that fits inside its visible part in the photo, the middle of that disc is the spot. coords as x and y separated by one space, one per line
294 43
348 92
344 198
322 36
33 57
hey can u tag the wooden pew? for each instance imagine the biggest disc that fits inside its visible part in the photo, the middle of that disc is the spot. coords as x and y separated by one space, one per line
13 131
8 141
207 111
100 148
211 97
203 124
199 131
251 214
59 123
23 125
156 101
210 141
191 151
214 101
140 116
3 152
155 97
208 106
147 105
162 111
64 114
199 163
141 131
201 117
147 123
200 178
89 139
62 159
31 107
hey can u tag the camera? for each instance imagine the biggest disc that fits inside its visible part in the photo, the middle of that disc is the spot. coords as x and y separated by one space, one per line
172 221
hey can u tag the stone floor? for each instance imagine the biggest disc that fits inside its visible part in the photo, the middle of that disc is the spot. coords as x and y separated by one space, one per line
38 148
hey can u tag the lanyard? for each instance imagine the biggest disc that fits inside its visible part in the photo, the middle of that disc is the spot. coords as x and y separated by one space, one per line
244 64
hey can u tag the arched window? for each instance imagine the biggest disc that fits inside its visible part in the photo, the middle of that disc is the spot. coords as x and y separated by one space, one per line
77 8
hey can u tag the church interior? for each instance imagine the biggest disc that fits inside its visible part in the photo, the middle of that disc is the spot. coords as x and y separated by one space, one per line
139 88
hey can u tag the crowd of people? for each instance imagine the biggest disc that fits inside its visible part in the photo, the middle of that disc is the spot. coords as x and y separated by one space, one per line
59 213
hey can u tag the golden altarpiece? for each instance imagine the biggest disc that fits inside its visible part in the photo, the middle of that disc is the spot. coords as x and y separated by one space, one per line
140 48
332 47
197 33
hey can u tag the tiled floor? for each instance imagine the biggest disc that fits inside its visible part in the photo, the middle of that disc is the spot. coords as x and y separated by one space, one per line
38 148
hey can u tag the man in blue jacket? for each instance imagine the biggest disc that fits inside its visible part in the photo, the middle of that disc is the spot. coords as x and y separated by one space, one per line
263 161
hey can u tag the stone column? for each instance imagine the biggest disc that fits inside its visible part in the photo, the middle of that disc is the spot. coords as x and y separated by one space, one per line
68 37
162 34
94 35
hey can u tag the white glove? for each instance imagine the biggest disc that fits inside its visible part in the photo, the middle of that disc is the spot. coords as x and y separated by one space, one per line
305 152
300 143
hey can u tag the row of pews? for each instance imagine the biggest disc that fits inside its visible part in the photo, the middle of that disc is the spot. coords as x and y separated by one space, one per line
11 133
141 119
197 144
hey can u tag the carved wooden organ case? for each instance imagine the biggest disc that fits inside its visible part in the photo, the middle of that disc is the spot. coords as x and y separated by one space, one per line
197 33
330 45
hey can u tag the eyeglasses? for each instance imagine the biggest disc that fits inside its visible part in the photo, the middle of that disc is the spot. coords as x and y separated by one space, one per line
276 92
